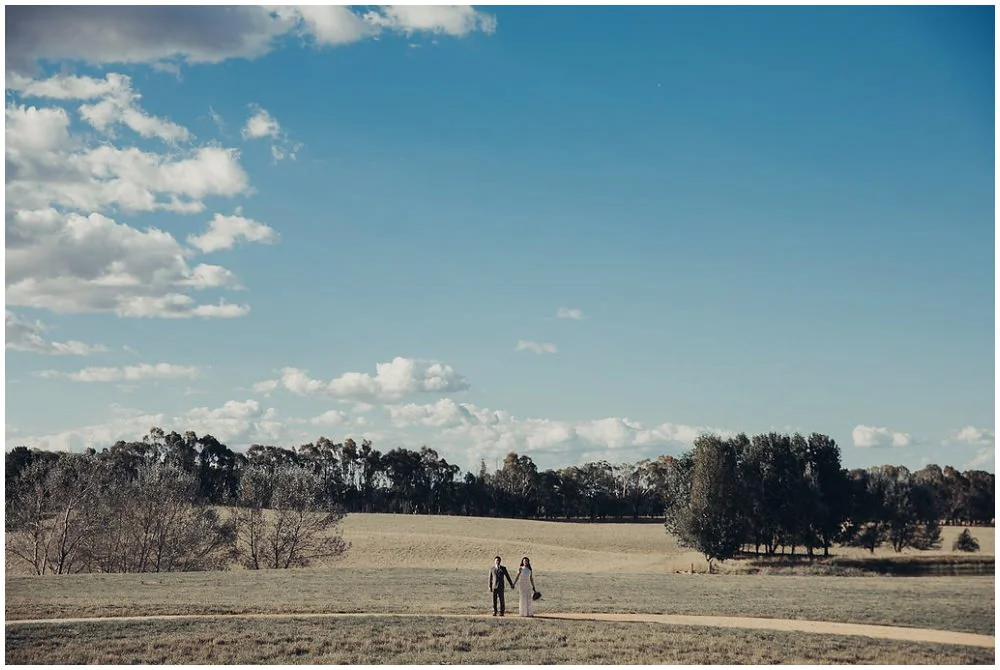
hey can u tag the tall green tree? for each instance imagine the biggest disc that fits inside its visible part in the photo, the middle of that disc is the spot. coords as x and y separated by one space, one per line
712 519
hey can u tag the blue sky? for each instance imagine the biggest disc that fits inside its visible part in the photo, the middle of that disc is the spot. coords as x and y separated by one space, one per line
575 233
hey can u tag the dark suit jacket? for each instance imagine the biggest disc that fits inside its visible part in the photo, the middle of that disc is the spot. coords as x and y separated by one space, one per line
497 576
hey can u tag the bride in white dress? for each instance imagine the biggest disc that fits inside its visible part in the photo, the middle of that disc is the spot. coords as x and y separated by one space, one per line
525 585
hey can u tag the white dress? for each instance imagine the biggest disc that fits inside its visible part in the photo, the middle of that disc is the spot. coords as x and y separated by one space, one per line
525 605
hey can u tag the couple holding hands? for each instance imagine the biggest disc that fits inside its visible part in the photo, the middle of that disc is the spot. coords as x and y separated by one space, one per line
524 583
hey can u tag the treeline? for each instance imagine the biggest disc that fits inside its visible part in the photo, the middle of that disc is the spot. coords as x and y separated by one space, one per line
152 504
139 508
775 492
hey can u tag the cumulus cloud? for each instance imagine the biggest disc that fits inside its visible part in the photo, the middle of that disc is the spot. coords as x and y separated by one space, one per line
109 112
73 263
445 412
30 130
569 313
535 347
333 417
875 437
234 423
224 232
99 436
975 436
392 380
486 433
64 251
70 87
261 124
456 21
131 373
118 103
266 386
150 34
22 335
46 168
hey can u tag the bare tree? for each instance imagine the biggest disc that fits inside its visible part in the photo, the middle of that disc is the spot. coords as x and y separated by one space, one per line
280 521
49 519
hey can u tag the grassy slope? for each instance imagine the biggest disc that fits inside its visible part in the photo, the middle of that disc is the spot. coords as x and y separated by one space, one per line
437 565
388 540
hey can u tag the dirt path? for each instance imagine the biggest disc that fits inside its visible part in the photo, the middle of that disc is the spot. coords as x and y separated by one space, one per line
795 625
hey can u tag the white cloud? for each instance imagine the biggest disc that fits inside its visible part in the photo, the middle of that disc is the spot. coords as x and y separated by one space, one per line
486 433
261 124
973 435
535 347
131 373
98 436
871 436
456 21
331 25
298 382
568 313
224 232
398 378
73 263
24 336
151 34
118 103
46 167
444 412
392 380
266 386
210 276
33 130
234 423
335 417
70 87
985 459
178 306
111 111
287 151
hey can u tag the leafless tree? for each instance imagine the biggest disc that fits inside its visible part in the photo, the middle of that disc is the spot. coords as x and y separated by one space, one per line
280 521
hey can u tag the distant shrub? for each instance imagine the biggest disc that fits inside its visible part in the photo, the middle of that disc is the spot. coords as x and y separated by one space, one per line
965 542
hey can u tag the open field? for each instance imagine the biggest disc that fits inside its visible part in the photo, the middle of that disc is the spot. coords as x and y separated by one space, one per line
463 542
433 567
949 603
432 640
391 540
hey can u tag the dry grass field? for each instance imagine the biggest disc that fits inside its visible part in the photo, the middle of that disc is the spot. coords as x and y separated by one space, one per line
433 566
386 540
434 640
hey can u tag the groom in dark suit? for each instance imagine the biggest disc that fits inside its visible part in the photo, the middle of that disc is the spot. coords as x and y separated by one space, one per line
497 575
